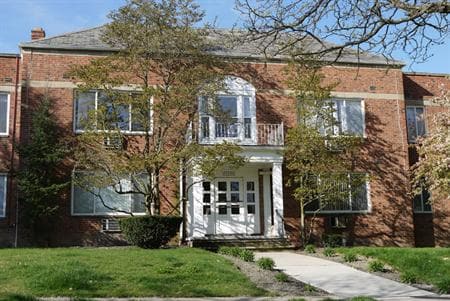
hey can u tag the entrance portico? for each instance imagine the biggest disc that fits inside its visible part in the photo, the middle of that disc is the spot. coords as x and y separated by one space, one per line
246 202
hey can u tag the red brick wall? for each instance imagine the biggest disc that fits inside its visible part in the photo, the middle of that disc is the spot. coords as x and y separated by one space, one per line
384 155
420 89
8 72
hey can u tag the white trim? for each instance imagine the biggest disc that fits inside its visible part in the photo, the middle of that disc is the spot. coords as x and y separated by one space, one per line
126 132
5 194
72 194
8 104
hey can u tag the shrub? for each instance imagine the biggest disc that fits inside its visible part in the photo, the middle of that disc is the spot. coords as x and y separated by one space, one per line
266 263
329 252
309 288
247 255
443 286
150 232
332 240
376 266
350 257
408 277
282 277
310 249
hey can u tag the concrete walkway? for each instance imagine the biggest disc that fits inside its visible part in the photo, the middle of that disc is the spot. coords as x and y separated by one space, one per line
341 280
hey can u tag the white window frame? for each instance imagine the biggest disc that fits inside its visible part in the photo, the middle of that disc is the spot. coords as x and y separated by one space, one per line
415 122
239 88
336 131
130 132
422 205
72 198
5 194
369 204
8 97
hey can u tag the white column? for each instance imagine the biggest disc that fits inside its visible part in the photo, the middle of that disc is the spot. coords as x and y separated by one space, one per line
197 225
277 193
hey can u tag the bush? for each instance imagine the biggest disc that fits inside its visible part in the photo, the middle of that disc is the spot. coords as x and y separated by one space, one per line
332 240
244 254
350 257
329 252
150 232
266 263
282 277
408 277
443 286
310 249
247 255
309 288
376 266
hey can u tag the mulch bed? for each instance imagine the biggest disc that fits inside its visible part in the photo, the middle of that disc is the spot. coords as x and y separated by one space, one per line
265 279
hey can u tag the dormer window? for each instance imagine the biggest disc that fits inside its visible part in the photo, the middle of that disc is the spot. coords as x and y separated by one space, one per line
231 115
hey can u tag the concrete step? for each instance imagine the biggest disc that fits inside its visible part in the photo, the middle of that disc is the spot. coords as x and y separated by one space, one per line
248 243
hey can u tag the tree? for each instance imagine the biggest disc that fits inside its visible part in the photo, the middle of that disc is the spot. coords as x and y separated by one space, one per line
39 180
320 163
381 26
163 61
433 168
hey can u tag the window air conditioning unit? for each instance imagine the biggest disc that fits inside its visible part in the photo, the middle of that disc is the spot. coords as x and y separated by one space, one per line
339 222
110 225
113 143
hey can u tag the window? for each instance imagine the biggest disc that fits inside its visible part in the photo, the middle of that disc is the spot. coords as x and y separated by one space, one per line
251 209
88 203
232 115
415 123
422 202
4 114
3 182
349 118
117 116
349 199
206 198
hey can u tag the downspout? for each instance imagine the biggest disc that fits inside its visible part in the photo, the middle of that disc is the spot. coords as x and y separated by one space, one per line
10 183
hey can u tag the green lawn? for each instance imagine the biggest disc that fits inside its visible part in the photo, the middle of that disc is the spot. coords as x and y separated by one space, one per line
428 265
120 272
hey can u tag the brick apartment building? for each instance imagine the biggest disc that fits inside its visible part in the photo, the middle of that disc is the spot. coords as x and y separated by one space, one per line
375 99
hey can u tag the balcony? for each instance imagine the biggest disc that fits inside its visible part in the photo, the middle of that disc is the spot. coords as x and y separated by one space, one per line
246 133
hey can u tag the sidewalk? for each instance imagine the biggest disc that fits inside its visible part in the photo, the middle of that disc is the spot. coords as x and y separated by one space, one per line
341 280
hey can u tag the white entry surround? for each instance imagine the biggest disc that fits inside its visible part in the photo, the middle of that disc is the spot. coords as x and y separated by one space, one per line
231 203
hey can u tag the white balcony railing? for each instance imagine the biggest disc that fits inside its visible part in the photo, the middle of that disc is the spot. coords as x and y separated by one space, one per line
246 133
270 134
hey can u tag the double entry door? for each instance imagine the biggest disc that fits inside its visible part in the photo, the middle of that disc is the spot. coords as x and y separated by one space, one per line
232 208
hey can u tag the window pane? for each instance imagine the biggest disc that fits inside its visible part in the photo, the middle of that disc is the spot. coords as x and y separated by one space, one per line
426 200
84 103
222 209
138 203
250 186
206 198
222 186
354 118
411 123
418 203
83 201
222 198
206 186
205 127
247 108
359 198
235 209
248 128
2 195
112 200
207 210
420 122
117 116
235 197
228 105
251 197
251 209
234 186
3 112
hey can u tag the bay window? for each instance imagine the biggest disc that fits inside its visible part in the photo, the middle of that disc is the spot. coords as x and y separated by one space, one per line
231 115
92 201
114 116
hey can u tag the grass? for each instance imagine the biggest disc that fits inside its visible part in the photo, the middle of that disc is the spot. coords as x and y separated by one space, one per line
119 272
428 265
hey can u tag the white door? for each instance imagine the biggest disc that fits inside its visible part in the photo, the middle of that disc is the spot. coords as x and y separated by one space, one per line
229 202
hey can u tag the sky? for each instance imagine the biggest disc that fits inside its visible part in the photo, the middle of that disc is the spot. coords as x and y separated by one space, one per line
60 16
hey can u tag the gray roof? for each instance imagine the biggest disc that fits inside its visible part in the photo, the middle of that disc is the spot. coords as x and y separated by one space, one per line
9 55
91 40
